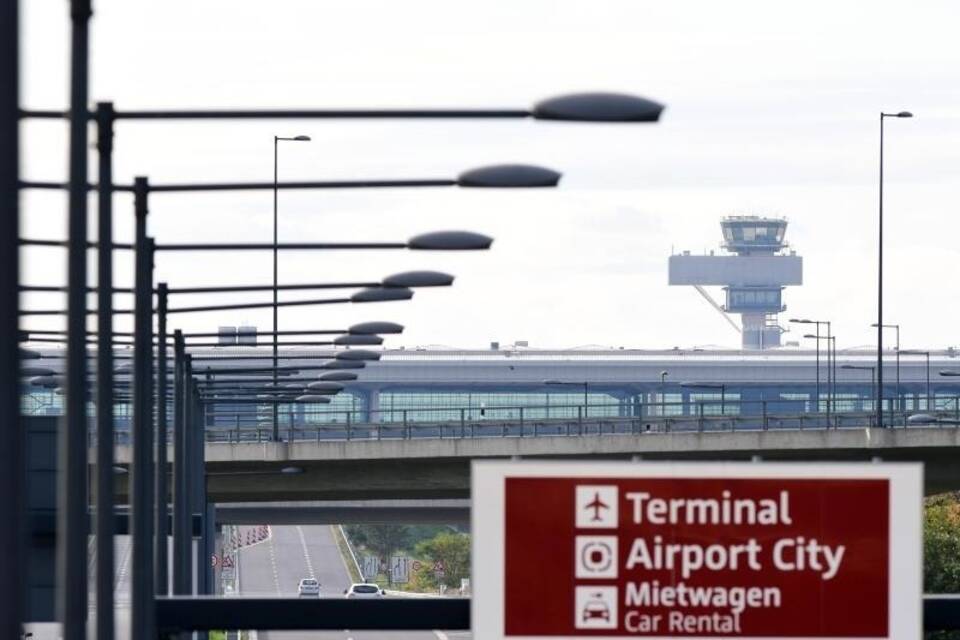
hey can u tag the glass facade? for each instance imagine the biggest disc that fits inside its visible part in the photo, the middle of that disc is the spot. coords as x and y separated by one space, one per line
753 299
419 406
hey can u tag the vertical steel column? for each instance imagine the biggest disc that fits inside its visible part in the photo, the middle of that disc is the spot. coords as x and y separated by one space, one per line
11 435
72 490
160 481
879 379
275 408
105 420
181 500
187 503
198 487
141 478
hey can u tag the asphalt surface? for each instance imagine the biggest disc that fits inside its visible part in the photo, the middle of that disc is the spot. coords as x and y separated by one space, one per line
275 566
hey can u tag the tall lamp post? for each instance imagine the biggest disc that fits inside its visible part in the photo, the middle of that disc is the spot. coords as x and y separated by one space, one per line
895 327
276 144
818 337
879 324
663 398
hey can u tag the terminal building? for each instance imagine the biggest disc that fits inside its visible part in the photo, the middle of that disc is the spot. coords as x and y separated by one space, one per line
430 385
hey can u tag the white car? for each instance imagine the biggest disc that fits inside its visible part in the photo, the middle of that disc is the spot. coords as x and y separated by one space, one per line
309 587
365 590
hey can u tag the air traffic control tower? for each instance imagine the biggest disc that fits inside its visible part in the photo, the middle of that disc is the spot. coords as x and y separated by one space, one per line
753 274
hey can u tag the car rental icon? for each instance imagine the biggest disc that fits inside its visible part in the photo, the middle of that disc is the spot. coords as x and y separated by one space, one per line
596 609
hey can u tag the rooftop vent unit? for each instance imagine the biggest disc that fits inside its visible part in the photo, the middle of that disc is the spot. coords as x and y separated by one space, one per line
226 336
247 335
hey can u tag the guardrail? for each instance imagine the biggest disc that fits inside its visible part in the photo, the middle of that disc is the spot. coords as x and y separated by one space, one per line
580 425
549 420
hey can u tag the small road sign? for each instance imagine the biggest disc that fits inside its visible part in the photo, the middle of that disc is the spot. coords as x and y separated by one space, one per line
400 569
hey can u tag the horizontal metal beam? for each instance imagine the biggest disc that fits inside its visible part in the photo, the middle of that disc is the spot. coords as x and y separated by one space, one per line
310 514
260 186
45 524
402 614
305 114
940 613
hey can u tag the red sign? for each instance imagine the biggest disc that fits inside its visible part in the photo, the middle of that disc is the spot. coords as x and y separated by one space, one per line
697 550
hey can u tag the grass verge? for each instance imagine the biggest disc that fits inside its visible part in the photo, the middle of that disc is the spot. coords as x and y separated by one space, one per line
344 549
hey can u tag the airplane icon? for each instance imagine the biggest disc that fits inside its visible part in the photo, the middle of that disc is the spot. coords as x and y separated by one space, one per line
596 504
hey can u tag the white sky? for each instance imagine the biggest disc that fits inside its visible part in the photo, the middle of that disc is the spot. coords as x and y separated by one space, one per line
772 108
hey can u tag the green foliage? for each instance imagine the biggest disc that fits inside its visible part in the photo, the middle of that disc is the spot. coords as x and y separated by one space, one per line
941 545
382 539
451 548
941 551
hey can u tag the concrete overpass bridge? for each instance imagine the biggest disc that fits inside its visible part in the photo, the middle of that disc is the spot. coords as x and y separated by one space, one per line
427 468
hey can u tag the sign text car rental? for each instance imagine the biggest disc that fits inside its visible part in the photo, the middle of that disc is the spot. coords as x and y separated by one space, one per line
674 550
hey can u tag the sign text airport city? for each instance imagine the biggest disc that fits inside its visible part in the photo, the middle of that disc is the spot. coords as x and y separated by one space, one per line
793 553
660 553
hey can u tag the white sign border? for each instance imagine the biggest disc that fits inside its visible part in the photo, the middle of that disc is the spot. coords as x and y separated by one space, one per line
905 595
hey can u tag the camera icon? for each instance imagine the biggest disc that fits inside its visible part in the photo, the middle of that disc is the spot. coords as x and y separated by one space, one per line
596 557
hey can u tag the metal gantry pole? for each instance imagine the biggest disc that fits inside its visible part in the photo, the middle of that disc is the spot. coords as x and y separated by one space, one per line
141 476
73 473
161 519
105 419
879 390
189 413
276 413
11 436
181 500
198 488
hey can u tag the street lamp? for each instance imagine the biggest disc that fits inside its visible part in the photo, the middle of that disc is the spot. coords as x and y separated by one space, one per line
879 324
817 337
896 327
276 190
663 397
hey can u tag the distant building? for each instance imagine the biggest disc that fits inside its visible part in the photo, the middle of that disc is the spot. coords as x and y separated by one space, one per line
752 275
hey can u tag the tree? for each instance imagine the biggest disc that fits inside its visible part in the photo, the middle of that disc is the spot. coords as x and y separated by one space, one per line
453 549
941 550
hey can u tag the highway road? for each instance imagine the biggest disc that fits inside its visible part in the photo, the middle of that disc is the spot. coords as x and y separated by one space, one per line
276 565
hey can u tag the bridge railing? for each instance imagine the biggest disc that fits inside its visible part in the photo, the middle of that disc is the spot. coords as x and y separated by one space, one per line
581 420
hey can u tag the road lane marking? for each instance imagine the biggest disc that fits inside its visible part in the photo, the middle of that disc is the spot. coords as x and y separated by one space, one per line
273 564
441 635
306 552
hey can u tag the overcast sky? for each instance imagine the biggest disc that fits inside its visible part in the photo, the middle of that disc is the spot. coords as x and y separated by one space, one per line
772 109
